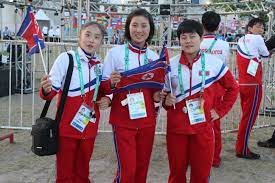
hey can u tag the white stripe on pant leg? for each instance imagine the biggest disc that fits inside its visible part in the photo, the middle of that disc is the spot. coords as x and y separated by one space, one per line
250 120
118 176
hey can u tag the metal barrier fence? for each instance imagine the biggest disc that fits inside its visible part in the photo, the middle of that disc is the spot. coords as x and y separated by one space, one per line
20 75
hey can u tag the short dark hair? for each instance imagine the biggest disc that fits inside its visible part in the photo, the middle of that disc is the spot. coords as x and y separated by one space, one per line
190 26
253 22
211 21
139 12
88 24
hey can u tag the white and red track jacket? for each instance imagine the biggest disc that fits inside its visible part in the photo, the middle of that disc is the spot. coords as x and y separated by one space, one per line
74 99
115 61
256 49
220 49
216 71
255 45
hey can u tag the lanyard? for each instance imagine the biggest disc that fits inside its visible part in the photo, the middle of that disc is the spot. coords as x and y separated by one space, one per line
245 46
97 72
202 76
127 57
81 78
212 45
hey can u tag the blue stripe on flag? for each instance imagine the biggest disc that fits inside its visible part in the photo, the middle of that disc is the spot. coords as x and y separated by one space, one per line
150 66
146 84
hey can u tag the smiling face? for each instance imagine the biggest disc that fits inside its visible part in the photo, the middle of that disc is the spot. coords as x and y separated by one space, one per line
190 43
139 30
90 39
257 29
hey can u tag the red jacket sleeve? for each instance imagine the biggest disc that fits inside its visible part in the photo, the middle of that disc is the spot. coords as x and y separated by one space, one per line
231 93
104 90
105 87
48 96
165 106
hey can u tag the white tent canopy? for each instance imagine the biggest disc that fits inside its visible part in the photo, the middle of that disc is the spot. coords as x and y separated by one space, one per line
41 15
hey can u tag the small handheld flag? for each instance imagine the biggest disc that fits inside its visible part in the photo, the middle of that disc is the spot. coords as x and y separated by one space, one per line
30 31
150 75
165 57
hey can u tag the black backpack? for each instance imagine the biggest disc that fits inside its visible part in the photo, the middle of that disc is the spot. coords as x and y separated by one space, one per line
45 130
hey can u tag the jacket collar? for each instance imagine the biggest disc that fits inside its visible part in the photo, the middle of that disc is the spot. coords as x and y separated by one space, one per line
85 56
184 61
137 49
209 36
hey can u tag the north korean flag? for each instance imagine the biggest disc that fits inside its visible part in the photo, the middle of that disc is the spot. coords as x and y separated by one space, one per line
30 31
150 75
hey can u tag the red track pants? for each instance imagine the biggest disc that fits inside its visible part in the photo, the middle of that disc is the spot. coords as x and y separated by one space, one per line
196 150
250 96
218 135
133 149
218 142
72 160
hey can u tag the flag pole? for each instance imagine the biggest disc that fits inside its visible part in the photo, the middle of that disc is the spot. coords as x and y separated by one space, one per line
170 84
40 51
159 112
169 76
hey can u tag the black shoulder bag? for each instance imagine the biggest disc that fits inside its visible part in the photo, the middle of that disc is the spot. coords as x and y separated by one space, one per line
45 130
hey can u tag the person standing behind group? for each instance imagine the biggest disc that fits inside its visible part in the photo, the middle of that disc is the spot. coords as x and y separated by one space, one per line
45 31
116 37
251 48
190 138
76 144
51 34
269 143
6 33
133 138
270 43
211 44
57 34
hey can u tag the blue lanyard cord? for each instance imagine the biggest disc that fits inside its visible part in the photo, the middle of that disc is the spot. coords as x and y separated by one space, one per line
203 73
203 76
97 83
180 79
127 57
212 45
81 77
245 46
80 74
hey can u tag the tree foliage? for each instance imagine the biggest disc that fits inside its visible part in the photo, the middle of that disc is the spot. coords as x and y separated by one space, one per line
241 7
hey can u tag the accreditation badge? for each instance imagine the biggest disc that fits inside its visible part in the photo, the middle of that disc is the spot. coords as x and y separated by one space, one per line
136 105
98 69
252 67
195 111
82 117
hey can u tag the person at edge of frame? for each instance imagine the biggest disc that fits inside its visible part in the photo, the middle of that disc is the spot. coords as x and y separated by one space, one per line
251 50
269 143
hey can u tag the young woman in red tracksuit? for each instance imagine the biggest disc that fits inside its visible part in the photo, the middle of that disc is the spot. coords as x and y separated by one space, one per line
269 143
76 139
133 138
190 108
251 48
